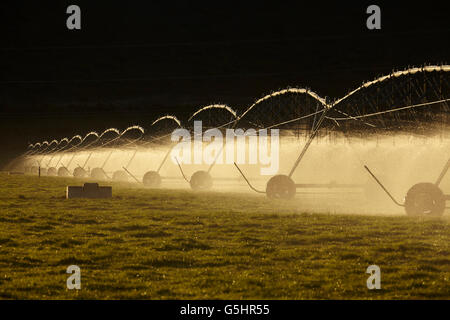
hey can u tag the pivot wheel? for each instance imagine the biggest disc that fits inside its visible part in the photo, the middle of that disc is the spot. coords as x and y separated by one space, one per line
99 174
152 179
79 172
34 170
52 171
201 180
63 172
425 199
120 176
280 187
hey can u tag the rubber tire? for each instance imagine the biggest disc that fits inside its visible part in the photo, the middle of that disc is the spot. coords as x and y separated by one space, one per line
34 170
280 187
79 172
120 176
99 174
425 199
152 179
52 172
63 172
201 180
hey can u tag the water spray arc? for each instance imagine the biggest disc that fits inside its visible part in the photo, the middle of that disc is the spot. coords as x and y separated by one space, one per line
99 172
411 100
217 116
160 130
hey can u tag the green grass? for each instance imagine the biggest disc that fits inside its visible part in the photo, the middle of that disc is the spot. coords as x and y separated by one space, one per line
177 244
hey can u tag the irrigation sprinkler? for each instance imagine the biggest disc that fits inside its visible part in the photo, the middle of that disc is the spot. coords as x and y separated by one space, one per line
61 151
152 179
74 150
99 173
122 175
424 110
64 172
42 170
27 160
80 171
411 101
51 171
283 186
310 110
19 164
35 169
218 116
160 130
396 102
423 198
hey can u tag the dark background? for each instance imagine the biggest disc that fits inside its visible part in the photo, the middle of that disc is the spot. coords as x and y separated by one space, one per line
133 61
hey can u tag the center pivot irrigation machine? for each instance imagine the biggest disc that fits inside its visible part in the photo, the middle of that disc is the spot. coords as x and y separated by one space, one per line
158 138
72 143
121 140
409 103
413 101
77 145
103 140
215 116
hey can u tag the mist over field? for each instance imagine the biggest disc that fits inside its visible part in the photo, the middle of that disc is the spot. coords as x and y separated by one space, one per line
399 162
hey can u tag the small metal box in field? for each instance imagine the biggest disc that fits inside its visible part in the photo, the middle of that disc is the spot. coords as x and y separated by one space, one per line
89 190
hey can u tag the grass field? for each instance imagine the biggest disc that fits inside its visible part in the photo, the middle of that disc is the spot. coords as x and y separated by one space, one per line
176 244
